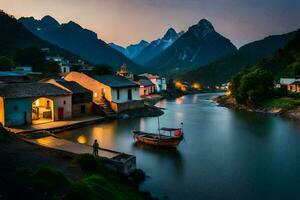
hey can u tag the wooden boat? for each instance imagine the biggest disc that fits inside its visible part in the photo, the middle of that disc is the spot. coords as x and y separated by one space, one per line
174 137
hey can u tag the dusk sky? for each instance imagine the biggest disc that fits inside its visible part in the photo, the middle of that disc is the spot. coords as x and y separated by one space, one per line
128 21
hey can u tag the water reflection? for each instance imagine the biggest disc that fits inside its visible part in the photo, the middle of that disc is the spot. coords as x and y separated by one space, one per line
227 154
170 155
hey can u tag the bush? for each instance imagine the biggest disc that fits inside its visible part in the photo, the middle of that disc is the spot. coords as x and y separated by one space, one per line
89 163
252 87
49 177
79 191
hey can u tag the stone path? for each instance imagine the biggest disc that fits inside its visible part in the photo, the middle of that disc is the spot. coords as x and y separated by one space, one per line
57 124
65 145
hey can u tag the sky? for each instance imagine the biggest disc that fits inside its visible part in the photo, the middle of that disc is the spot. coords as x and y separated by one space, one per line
126 22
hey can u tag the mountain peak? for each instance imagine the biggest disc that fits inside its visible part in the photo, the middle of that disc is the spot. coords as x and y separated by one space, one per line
143 42
73 24
205 24
170 34
49 20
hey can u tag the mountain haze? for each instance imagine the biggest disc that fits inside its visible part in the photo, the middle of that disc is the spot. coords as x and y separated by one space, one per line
13 36
200 45
156 47
132 50
221 70
80 41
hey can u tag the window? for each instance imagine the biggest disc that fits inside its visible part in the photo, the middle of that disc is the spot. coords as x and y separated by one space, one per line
118 93
64 102
15 108
81 96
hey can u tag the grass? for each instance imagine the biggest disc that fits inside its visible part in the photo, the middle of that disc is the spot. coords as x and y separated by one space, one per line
89 163
99 184
45 176
100 187
283 103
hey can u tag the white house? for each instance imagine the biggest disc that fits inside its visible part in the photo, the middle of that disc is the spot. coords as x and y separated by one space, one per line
159 82
121 93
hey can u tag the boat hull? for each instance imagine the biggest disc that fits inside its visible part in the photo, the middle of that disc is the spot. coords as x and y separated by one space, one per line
156 140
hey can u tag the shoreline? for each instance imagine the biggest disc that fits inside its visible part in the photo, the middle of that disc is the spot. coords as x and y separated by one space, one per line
288 113
34 157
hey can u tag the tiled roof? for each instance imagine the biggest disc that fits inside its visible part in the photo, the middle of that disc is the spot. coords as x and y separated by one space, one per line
145 82
25 90
74 87
115 81
295 83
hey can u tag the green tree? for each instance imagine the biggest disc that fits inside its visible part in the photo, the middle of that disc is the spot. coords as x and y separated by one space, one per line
31 56
252 87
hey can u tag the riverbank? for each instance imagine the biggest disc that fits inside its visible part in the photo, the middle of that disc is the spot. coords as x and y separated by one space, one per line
30 171
286 107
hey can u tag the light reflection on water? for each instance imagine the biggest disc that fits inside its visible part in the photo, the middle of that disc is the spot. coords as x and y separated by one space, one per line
226 154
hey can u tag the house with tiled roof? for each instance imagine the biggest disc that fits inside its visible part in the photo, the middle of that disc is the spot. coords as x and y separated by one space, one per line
33 103
82 98
147 87
118 92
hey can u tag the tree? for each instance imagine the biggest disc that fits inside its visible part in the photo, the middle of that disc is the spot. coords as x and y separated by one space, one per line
6 63
252 87
31 56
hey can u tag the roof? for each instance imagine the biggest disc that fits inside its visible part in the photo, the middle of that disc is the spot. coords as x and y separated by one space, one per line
74 87
25 90
145 82
115 81
295 83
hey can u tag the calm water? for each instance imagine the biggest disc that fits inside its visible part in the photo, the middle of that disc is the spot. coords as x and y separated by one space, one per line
226 154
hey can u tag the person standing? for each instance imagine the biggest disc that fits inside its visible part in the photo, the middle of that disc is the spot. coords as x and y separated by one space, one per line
96 148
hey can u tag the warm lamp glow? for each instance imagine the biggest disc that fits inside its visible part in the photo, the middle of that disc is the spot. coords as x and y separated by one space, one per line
81 139
197 86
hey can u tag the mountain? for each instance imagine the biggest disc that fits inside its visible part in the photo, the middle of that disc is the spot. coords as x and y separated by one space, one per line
285 62
14 35
72 37
132 50
156 47
221 70
200 45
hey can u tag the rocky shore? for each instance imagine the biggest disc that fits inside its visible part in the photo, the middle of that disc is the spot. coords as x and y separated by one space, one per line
229 102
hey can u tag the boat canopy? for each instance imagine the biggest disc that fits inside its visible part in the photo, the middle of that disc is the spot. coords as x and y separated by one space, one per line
169 129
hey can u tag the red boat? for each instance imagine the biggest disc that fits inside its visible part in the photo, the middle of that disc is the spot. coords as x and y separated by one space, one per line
166 137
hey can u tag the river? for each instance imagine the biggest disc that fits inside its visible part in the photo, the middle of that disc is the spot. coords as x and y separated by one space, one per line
226 154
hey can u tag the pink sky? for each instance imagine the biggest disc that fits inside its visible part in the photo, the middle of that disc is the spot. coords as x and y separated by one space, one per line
129 21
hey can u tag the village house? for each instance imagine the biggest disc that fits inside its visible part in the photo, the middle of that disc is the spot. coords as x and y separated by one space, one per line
146 86
120 93
159 82
82 98
33 103
294 87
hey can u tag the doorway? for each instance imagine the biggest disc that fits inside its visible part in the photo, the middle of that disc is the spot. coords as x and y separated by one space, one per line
42 111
